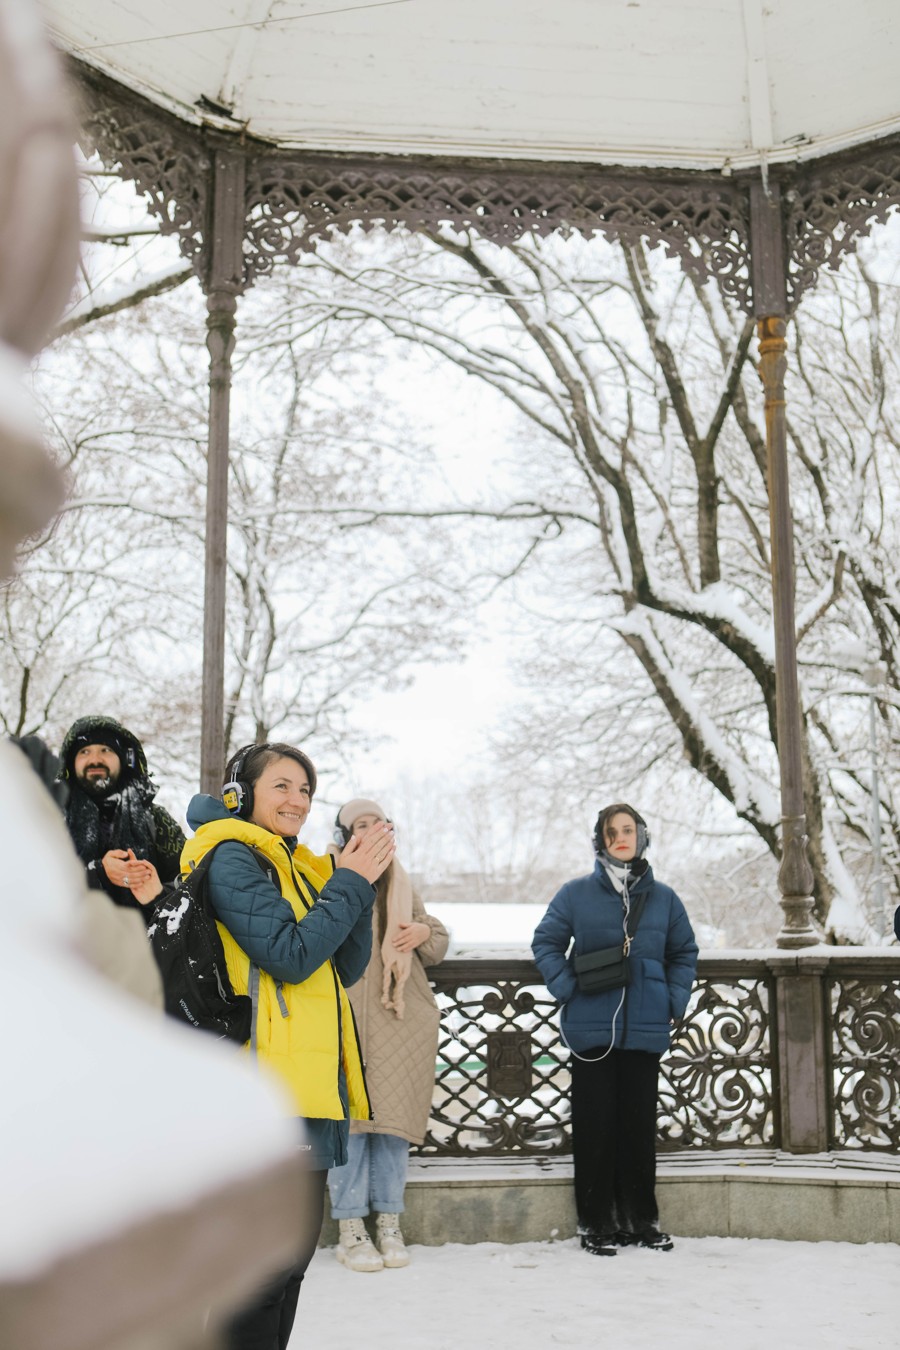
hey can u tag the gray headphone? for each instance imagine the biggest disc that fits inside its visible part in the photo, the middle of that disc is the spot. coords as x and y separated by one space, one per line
342 834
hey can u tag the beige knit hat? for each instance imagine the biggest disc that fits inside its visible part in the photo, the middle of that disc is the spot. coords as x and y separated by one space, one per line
351 812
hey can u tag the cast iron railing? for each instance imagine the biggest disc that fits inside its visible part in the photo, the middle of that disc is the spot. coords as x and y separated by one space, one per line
799 1051
863 1006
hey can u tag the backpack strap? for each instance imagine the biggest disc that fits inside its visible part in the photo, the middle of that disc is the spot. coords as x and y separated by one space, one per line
253 991
196 869
267 866
265 862
171 890
263 859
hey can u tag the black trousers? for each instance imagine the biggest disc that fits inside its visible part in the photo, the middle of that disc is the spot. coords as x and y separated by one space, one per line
614 1140
266 1323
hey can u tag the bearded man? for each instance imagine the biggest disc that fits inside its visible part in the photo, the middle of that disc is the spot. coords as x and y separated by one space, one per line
129 845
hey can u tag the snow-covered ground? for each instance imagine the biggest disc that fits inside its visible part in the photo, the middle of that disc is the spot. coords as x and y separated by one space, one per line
707 1294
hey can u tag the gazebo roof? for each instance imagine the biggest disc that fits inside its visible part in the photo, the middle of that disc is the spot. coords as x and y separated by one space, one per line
696 84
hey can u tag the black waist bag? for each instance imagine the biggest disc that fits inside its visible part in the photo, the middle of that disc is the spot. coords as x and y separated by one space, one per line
609 967
605 969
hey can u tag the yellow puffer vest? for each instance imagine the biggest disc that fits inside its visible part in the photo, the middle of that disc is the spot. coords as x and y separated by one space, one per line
304 1047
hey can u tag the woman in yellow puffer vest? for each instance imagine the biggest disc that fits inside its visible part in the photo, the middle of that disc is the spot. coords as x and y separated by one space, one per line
296 930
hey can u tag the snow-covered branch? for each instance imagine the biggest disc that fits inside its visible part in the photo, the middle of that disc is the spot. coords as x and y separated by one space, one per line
118 298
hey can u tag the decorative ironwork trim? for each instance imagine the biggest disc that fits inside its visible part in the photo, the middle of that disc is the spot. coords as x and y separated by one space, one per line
863 1004
294 200
167 159
833 203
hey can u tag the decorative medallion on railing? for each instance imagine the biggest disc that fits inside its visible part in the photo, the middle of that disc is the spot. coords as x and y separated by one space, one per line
831 205
865 1053
717 1083
165 158
295 203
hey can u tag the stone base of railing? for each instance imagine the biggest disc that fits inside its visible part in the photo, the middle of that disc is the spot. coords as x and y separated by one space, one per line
830 1197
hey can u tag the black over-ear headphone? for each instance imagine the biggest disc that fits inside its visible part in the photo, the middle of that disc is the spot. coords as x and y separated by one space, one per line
237 795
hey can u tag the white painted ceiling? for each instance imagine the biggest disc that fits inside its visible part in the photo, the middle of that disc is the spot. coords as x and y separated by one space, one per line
694 83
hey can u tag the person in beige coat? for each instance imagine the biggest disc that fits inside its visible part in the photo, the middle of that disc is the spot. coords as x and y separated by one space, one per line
398 1020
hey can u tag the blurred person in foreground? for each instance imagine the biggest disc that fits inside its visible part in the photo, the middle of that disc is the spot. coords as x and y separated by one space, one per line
93 1088
296 930
617 926
130 846
398 1022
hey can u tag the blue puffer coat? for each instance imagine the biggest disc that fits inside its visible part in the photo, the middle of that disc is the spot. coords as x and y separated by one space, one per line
338 926
663 961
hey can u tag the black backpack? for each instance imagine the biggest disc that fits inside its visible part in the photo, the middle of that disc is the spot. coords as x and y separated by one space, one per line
191 958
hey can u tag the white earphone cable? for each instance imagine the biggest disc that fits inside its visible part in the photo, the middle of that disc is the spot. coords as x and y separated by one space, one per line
626 911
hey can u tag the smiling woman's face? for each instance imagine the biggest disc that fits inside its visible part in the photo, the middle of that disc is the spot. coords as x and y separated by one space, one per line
281 797
620 837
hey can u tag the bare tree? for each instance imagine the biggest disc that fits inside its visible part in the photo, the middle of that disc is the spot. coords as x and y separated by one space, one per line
108 610
643 453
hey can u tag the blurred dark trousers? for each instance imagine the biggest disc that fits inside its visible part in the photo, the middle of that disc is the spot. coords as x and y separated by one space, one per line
266 1324
614 1140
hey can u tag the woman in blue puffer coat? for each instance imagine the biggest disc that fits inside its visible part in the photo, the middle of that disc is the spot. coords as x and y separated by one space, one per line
616 1036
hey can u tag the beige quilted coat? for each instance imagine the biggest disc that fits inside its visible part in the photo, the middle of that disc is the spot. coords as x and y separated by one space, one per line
399 1055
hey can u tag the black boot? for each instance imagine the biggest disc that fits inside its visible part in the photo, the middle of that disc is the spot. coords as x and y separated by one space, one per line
598 1244
654 1239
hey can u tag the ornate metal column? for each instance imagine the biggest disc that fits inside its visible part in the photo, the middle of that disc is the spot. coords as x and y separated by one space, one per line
795 878
799 997
224 283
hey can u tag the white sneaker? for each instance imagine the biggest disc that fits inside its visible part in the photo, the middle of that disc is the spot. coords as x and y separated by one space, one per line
355 1249
393 1249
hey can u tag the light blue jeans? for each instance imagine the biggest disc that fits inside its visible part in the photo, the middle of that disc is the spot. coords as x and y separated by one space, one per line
375 1176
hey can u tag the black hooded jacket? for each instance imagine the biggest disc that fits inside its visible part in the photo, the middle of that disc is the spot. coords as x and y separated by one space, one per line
125 817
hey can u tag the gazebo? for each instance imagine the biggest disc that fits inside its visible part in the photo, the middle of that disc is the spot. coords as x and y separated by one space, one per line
756 144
